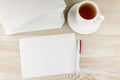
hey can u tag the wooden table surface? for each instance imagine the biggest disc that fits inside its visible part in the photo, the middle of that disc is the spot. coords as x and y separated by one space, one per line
100 58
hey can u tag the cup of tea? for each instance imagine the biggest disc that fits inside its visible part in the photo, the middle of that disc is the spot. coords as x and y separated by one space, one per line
85 17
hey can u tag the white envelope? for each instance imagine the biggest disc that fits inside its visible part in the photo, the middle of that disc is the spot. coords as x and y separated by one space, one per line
47 21
15 14
48 55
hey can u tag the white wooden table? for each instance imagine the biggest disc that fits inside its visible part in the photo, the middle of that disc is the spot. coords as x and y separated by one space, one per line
100 59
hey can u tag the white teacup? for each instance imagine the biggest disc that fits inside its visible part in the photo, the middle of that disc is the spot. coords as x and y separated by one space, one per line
84 17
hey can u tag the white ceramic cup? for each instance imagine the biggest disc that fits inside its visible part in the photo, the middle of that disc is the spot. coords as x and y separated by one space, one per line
80 22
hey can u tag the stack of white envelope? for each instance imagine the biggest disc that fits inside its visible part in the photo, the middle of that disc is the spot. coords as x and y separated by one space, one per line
19 16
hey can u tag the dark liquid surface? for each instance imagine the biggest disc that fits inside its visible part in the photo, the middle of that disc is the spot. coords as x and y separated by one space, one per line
87 11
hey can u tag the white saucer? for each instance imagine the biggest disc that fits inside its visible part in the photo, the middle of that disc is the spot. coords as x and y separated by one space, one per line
80 28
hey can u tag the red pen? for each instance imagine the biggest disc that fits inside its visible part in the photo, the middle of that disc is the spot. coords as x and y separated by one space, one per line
79 50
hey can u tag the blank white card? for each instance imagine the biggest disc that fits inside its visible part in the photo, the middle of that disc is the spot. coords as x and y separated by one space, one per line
48 55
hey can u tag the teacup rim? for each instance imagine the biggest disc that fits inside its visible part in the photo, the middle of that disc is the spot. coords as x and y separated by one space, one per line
90 2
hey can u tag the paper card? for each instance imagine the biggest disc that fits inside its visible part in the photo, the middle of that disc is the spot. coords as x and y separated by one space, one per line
48 55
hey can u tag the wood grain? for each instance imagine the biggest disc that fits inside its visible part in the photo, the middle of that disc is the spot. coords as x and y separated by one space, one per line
100 58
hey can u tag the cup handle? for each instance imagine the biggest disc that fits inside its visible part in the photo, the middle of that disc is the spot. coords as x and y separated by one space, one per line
100 18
